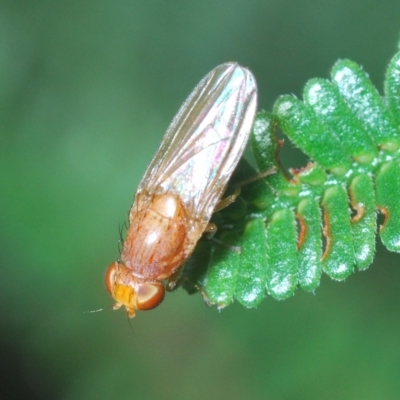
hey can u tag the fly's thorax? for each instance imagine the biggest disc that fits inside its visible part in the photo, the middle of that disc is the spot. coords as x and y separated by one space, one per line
130 292
156 239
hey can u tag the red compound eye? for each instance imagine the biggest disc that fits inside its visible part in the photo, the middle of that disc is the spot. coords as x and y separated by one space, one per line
110 277
149 295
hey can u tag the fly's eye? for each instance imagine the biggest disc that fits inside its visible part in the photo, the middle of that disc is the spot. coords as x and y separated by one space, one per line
110 277
149 295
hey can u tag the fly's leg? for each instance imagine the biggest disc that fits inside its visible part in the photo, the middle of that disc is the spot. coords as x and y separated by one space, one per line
238 249
200 290
226 201
174 280
203 293
211 228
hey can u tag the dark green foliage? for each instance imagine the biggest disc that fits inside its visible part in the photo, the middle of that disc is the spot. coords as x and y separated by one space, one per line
220 283
288 227
325 100
282 252
307 131
392 88
254 266
310 243
362 198
338 258
365 103
387 199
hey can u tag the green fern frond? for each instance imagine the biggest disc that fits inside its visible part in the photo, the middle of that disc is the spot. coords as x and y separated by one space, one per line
292 226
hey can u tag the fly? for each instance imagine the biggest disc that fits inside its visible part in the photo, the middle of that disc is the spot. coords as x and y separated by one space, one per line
183 185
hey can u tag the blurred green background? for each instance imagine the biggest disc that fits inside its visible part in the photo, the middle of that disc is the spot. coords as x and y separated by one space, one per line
87 90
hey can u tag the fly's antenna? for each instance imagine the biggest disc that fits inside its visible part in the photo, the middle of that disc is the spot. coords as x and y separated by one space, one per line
98 310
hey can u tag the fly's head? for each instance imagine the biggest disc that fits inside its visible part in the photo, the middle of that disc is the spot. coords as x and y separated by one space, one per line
127 290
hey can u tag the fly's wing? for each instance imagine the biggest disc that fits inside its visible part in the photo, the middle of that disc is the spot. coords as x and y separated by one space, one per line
205 140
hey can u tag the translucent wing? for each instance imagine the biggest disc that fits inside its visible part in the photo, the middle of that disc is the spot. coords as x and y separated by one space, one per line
205 140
